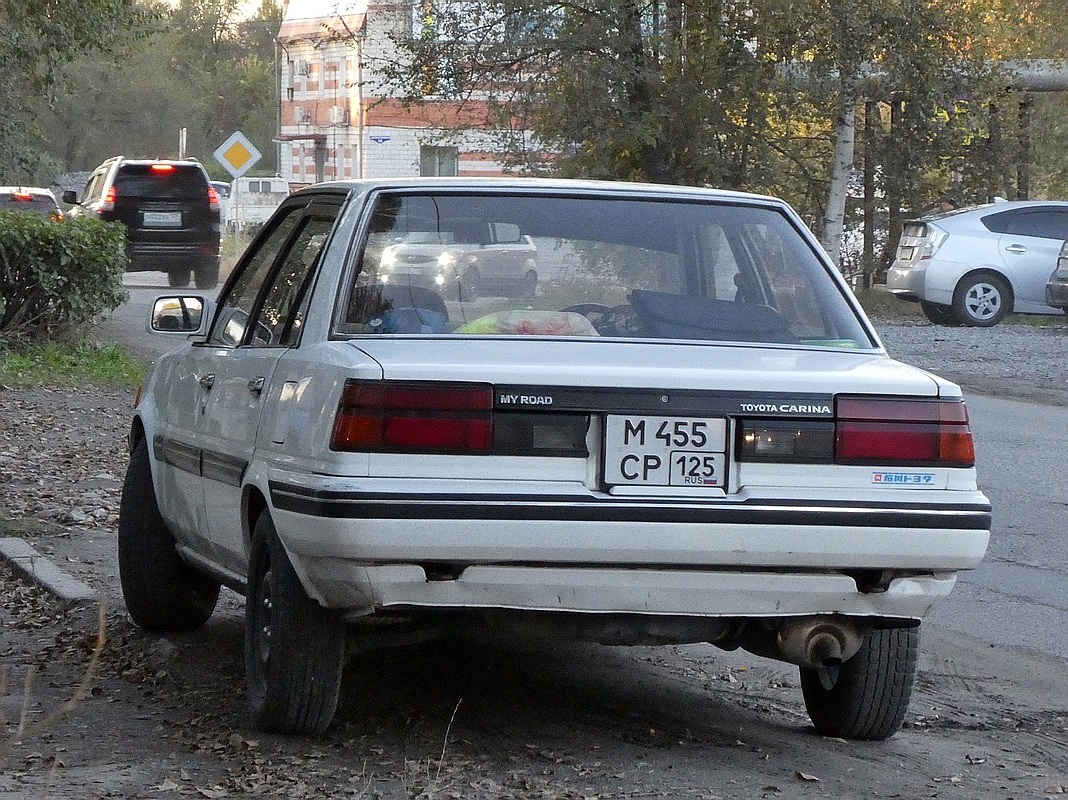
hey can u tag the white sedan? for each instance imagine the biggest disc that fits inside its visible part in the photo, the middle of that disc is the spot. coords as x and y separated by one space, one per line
690 434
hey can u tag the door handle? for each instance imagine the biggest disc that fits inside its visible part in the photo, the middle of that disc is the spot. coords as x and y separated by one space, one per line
206 381
256 385
1016 249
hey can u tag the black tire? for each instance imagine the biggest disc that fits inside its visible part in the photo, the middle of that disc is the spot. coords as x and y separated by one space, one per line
938 314
207 277
867 696
982 300
162 592
294 648
178 278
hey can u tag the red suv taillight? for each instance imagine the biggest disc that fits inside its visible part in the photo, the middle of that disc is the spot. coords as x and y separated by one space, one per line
213 198
108 203
902 431
414 416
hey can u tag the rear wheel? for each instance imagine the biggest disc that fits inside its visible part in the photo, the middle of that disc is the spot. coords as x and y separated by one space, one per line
177 278
161 591
865 697
294 648
938 314
982 300
207 277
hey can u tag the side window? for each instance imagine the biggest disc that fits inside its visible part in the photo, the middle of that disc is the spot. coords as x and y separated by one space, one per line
435 160
1046 223
237 307
92 188
283 309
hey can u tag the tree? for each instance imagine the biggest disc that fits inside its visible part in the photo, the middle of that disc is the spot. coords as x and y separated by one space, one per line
702 92
202 68
40 36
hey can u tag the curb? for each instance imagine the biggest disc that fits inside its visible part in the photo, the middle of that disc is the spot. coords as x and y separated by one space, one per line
36 567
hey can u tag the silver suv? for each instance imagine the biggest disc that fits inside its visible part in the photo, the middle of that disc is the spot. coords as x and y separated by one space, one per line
975 265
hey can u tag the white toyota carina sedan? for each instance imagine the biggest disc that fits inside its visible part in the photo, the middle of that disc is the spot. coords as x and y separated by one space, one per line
689 433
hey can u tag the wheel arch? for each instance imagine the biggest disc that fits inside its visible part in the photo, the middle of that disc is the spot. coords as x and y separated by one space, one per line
253 504
136 434
994 272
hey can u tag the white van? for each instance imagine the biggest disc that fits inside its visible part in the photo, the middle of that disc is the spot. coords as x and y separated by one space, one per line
253 200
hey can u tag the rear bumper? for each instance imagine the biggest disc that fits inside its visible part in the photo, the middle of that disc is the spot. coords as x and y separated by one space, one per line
1057 295
151 256
363 550
593 590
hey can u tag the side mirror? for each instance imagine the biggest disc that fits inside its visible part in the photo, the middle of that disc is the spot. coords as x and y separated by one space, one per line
71 197
177 315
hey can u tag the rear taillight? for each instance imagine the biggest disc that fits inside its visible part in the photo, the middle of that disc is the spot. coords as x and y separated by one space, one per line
108 203
414 416
213 198
163 169
932 241
902 431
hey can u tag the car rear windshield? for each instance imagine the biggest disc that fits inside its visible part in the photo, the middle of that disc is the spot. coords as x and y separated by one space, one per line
537 265
161 181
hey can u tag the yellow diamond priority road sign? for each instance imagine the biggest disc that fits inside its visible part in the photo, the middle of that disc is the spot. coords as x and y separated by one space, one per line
237 154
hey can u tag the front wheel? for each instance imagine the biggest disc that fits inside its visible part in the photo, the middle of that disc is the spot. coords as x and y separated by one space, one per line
865 697
294 648
982 300
162 592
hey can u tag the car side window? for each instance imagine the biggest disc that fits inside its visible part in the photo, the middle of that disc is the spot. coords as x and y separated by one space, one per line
238 305
283 309
1046 223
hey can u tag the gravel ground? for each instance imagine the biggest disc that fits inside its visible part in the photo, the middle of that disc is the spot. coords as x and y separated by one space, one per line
1021 361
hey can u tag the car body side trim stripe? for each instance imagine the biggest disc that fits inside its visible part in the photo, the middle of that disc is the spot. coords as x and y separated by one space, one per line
359 505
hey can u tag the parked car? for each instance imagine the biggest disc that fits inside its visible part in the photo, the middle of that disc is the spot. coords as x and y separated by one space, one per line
975 265
1057 285
30 198
464 258
222 189
171 214
691 434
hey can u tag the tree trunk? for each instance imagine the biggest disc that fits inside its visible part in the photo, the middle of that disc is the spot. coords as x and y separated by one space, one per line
842 168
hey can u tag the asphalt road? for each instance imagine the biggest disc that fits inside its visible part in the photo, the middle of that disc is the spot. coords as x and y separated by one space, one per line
1019 594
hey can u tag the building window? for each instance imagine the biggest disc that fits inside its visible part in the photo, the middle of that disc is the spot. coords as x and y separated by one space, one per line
435 160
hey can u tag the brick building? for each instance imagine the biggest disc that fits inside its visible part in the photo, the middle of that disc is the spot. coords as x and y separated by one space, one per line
338 118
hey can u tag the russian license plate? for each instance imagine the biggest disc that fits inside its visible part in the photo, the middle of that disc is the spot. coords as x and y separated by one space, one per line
163 219
665 451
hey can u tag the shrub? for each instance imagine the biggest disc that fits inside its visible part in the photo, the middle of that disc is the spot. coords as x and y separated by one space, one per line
56 276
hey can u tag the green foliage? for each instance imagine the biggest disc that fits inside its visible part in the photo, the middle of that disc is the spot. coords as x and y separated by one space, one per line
55 276
40 36
60 365
197 65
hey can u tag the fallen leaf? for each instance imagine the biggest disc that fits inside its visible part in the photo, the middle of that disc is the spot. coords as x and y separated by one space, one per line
804 776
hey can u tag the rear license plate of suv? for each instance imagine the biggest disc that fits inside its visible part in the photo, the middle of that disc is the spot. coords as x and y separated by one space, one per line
665 451
162 219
